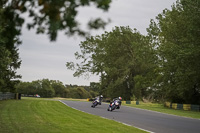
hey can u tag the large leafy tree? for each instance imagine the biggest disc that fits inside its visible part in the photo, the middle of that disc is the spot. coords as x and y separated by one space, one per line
176 38
9 57
119 57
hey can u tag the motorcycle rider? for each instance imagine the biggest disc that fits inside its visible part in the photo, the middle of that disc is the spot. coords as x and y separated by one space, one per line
99 99
119 100
115 104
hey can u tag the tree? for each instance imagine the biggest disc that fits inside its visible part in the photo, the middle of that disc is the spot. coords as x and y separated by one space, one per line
28 88
58 87
82 93
46 90
54 88
94 86
118 56
9 57
42 87
66 92
51 16
176 38
4 62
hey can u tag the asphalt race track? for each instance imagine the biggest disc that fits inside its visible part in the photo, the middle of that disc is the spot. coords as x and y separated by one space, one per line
147 120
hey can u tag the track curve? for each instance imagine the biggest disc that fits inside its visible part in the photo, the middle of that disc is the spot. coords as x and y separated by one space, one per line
144 119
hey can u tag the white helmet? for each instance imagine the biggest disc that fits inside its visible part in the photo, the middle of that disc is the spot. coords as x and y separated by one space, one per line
101 96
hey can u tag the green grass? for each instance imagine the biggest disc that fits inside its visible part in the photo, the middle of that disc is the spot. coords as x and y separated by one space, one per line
162 109
50 116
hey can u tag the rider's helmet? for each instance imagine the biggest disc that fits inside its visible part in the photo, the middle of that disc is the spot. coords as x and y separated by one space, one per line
120 98
101 96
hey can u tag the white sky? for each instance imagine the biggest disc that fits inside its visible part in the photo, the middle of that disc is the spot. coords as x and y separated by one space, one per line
44 59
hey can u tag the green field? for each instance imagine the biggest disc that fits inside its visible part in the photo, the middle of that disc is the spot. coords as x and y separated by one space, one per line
162 109
50 116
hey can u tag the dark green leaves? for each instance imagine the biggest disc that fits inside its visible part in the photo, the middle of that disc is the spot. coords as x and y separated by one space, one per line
178 44
118 56
51 16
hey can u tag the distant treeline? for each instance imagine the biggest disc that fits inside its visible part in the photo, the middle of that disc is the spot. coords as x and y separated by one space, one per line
55 88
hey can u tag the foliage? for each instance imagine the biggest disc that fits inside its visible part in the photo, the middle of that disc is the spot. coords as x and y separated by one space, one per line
58 87
51 16
9 56
54 88
79 93
118 56
40 87
95 86
176 38
4 62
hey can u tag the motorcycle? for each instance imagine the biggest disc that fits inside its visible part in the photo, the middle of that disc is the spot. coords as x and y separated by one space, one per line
114 105
95 103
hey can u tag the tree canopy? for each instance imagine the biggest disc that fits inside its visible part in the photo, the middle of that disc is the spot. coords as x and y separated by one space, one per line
9 56
54 88
176 37
118 56
51 16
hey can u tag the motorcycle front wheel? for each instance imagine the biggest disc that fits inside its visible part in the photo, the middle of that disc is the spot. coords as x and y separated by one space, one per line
109 109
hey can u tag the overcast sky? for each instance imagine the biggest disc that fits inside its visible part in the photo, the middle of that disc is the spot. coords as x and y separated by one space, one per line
44 59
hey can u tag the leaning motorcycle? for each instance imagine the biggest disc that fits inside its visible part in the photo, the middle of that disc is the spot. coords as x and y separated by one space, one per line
114 105
95 103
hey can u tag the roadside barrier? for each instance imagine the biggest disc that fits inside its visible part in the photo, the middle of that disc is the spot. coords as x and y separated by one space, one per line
123 102
90 99
187 107
179 106
174 105
195 107
167 104
7 95
130 102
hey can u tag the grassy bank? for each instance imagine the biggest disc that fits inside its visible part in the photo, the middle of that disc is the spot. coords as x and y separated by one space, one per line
162 109
50 116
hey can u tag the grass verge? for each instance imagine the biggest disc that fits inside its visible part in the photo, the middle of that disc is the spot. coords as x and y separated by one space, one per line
162 109
50 116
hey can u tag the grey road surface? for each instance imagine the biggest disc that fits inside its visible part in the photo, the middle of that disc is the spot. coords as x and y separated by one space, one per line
144 119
